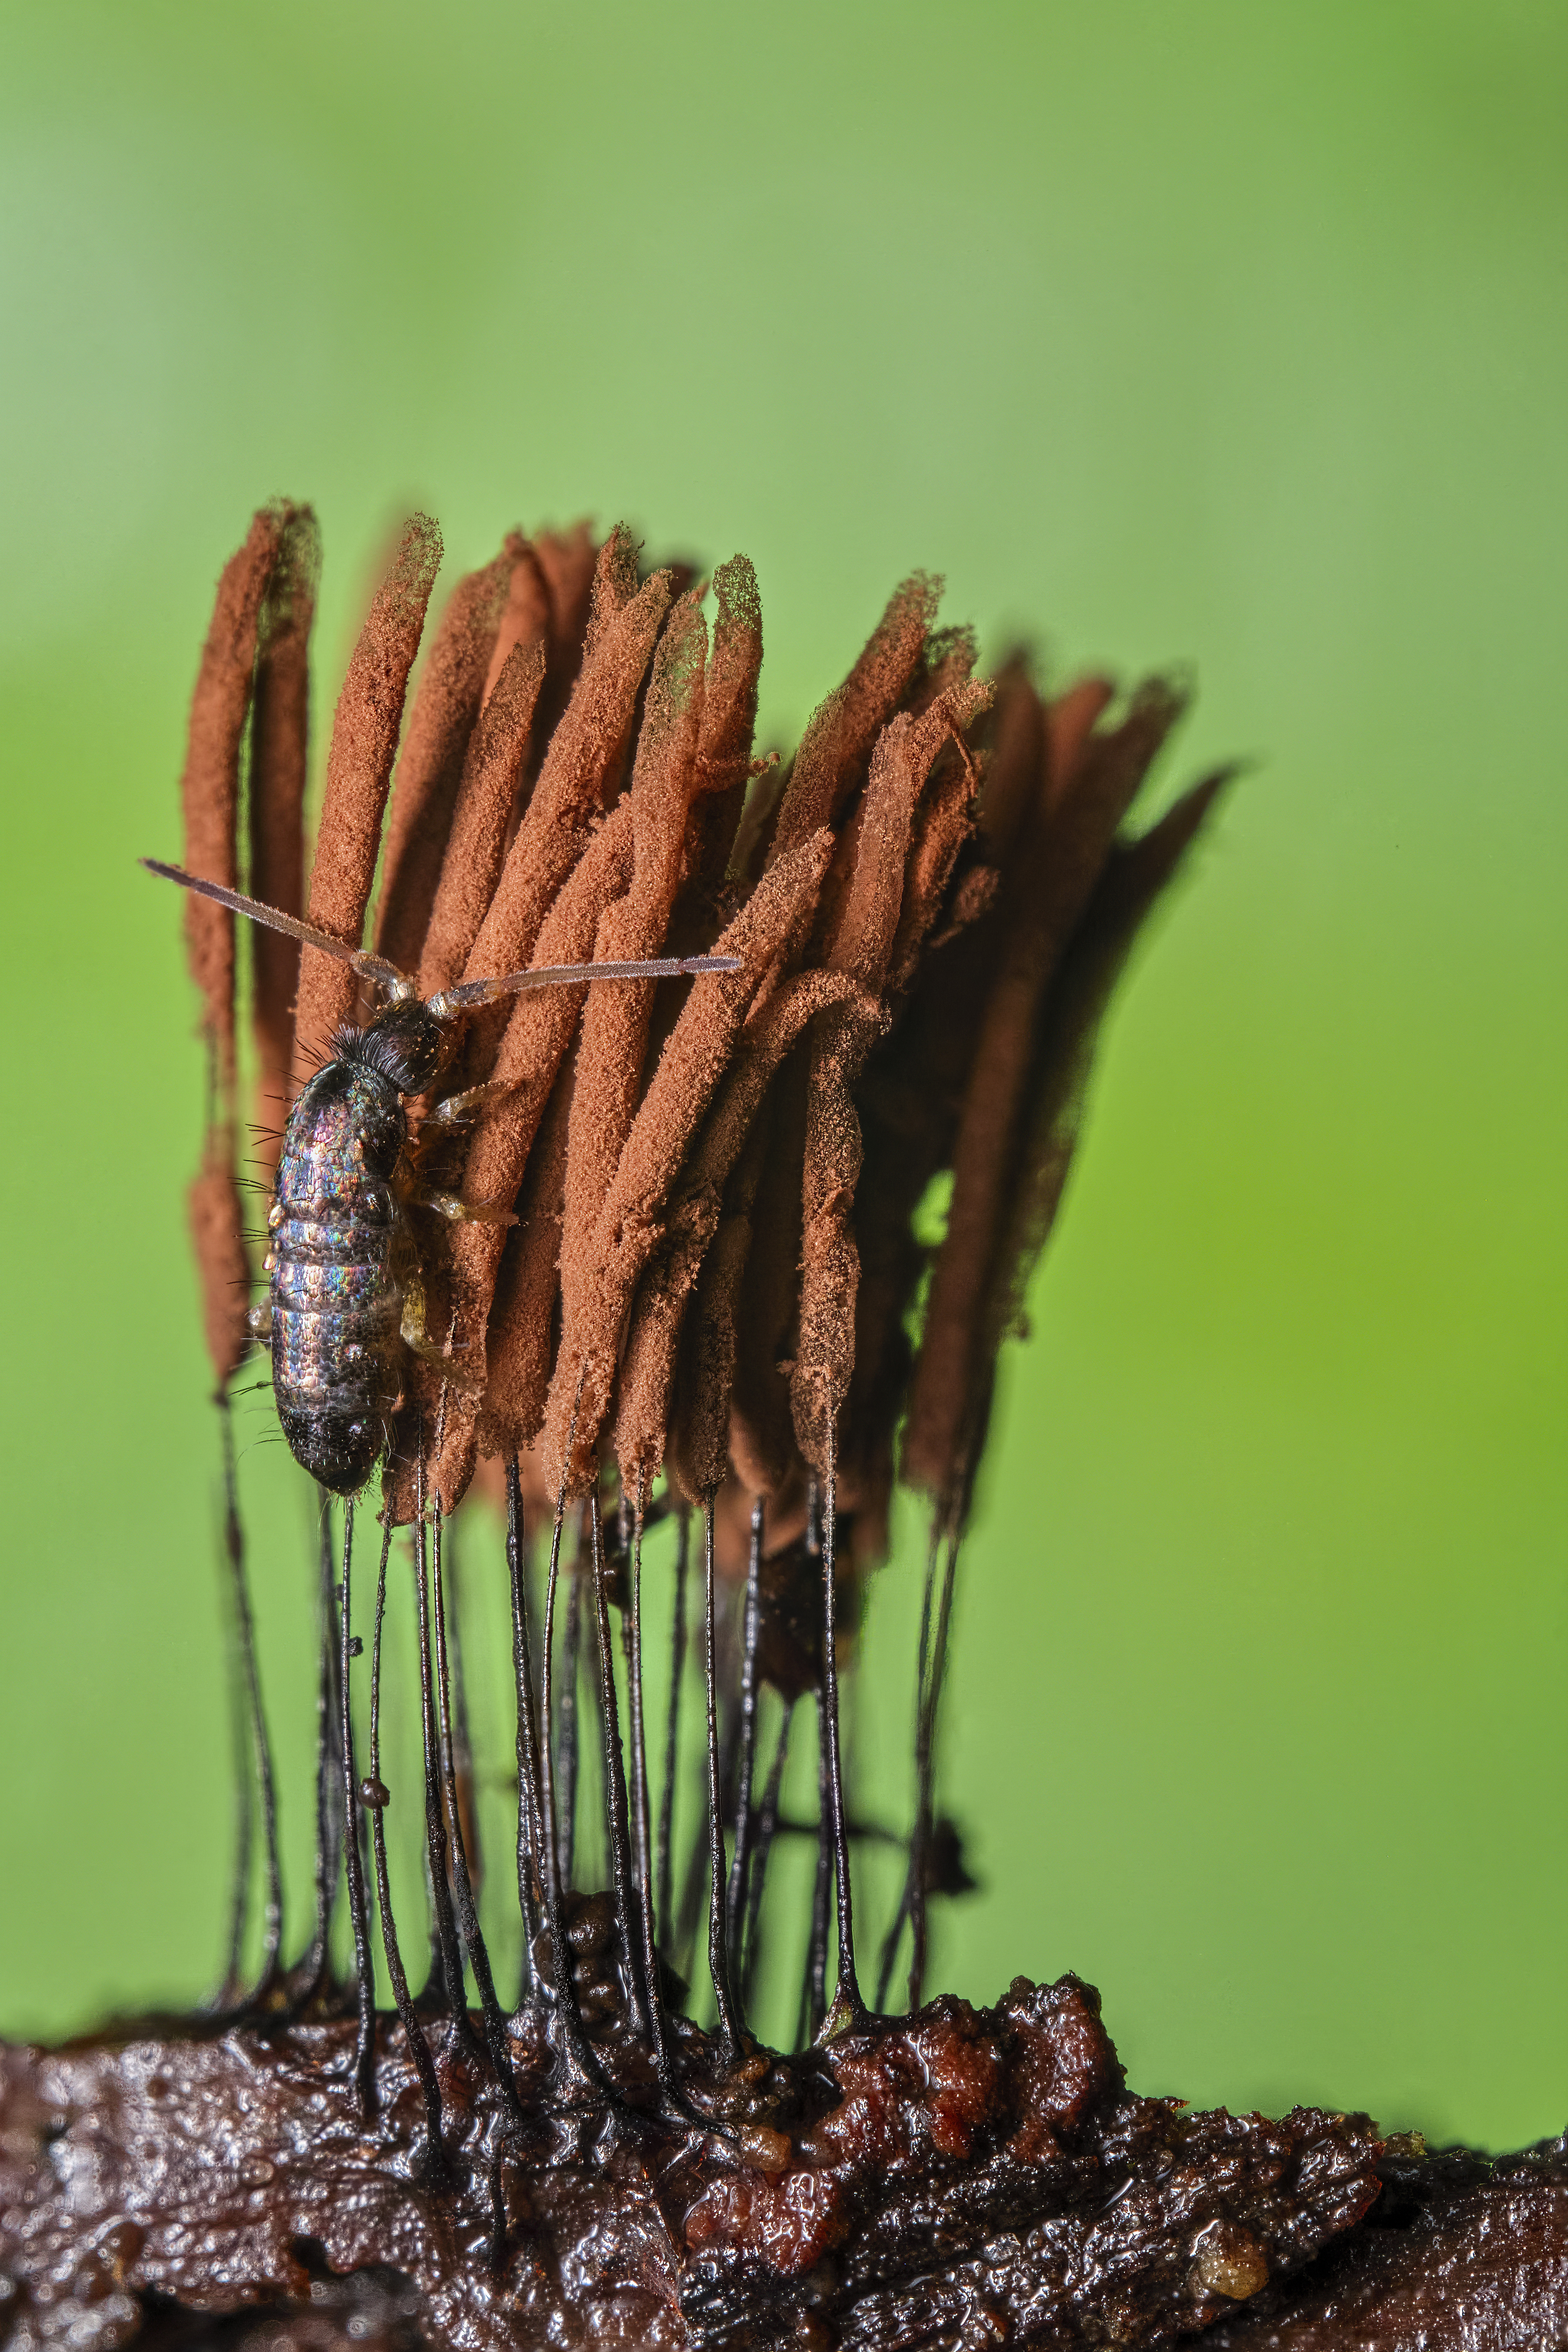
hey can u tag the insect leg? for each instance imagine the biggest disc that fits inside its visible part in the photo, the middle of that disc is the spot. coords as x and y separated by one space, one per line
460 1211
458 1109
415 1336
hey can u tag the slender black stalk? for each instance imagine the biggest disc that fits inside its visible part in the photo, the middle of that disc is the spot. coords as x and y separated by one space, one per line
530 1863
717 1953
569 1751
374 1794
642 1831
767 1829
848 2009
695 1885
462 1741
312 1976
813 1990
672 1733
926 1775
364 1971
739 1860
922 1669
578 2054
245 1632
434 1819
228 1995
616 1820
663 2056
468 1909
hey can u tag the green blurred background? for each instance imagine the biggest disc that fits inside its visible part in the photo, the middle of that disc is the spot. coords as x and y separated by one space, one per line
1218 331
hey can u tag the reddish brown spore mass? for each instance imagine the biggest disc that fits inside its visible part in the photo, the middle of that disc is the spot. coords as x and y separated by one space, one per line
715 1265
425 789
279 753
365 729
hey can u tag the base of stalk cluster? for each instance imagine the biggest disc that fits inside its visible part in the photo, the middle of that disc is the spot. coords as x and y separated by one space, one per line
963 2176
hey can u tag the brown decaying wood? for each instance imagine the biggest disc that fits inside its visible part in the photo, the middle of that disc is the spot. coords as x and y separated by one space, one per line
359 768
430 765
476 843
279 754
630 1223
1063 848
209 781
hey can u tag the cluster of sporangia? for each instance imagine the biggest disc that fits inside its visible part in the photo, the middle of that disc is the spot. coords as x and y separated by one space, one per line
713 1266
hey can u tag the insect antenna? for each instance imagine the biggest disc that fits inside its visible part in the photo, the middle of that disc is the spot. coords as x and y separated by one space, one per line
473 994
354 1816
468 1911
739 1863
368 967
718 1948
374 1795
672 1729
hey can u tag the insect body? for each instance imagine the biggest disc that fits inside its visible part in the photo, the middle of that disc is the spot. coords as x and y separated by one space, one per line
345 1299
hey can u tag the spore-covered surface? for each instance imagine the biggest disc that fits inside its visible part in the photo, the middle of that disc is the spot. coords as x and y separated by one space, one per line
961 2175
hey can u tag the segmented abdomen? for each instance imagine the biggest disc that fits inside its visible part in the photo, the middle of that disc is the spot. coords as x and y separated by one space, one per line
337 1349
